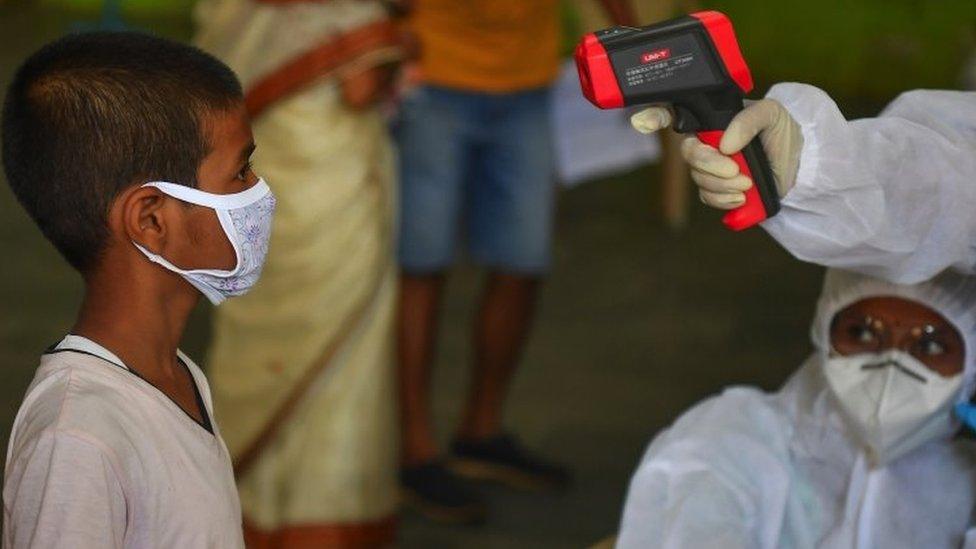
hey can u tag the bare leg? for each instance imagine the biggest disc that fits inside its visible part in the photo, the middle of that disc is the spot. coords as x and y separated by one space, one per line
504 320
417 318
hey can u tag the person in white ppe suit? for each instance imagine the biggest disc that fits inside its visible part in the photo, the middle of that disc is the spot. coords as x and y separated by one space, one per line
892 196
859 448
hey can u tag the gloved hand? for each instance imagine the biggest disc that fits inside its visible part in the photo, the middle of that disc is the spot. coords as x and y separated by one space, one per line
966 412
720 184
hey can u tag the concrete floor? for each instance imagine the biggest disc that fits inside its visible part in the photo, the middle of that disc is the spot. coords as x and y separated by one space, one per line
635 325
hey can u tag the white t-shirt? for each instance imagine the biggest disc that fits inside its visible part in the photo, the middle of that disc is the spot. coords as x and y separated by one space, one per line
98 457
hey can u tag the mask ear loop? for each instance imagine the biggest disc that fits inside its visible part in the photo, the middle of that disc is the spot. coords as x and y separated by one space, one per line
221 204
208 292
228 227
230 232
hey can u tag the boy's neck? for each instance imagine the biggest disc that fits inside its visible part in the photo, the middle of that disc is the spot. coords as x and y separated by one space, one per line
139 319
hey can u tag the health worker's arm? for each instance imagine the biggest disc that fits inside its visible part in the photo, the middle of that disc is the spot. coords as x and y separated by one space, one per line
689 510
892 196
718 477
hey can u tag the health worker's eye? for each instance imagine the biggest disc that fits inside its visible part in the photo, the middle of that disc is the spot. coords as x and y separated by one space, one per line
862 333
930 346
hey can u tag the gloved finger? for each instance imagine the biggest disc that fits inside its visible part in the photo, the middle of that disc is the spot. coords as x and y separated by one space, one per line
722 201
747 124
651 120
706 181
966 413
706 158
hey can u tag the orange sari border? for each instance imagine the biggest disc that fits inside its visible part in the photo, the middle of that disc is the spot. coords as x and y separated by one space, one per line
347 535
319 61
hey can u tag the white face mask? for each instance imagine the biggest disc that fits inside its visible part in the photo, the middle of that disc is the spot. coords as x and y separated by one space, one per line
893 402
246 220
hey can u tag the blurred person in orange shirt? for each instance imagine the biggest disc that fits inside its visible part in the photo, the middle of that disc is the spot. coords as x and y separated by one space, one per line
475 149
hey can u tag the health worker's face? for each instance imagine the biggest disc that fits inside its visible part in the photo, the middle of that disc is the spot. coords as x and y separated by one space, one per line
879 324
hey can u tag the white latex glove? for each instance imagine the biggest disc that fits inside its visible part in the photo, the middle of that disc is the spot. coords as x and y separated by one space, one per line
720 184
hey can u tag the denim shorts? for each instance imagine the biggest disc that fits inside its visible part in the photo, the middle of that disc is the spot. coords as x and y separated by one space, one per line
475 168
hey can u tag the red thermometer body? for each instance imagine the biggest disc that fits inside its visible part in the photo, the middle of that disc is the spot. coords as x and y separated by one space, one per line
694 64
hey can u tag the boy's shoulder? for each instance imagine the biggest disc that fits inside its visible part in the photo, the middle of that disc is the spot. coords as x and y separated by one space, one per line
75 393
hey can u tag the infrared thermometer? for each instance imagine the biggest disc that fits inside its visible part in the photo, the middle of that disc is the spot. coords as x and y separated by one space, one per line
692 63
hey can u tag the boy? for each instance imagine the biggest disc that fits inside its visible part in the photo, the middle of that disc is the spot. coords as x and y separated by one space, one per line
131 153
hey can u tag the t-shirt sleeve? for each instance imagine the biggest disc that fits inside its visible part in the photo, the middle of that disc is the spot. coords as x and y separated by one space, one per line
63 492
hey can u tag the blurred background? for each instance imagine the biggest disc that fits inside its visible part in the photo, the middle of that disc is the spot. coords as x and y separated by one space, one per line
642 315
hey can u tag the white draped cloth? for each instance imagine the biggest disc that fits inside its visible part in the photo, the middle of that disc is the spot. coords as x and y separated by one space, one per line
302 366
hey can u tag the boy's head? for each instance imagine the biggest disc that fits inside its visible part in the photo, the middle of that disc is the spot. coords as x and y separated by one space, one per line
91 116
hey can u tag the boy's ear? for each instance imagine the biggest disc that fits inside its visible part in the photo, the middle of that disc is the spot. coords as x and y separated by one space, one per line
143 218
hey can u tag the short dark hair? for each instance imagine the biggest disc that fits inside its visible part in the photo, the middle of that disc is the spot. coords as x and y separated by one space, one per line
92 114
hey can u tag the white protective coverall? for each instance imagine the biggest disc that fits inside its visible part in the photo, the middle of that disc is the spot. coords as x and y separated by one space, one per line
759 470
892 196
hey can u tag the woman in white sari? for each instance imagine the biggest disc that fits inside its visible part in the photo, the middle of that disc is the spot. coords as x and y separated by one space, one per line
302 366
